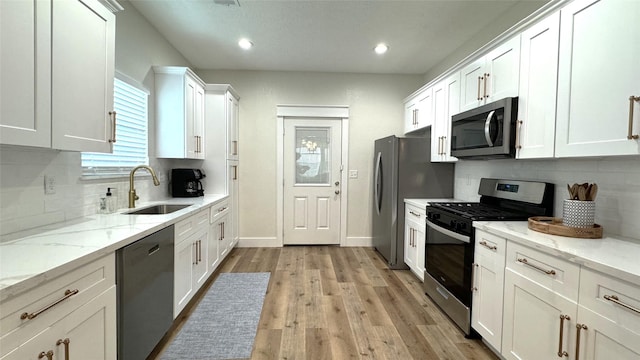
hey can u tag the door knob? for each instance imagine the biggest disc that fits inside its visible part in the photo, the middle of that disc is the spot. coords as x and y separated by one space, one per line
337 192
337 183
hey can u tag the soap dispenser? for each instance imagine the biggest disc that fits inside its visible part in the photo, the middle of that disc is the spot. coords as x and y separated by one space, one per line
112 203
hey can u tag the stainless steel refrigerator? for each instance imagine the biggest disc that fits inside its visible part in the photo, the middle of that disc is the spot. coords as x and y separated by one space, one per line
403 169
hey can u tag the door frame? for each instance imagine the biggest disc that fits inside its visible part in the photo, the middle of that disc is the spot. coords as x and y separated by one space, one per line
324 112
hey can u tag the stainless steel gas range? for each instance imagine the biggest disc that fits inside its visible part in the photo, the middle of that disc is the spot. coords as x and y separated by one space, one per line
450 238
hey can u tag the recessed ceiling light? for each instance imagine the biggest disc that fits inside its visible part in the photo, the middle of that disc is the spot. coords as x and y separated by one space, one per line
245 44
381 49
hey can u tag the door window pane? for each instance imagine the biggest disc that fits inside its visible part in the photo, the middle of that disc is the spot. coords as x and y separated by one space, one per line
313 156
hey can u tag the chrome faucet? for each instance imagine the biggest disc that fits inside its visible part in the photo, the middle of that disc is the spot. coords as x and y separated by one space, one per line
132 192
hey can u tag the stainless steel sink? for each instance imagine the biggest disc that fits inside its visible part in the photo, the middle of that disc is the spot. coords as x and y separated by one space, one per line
159 209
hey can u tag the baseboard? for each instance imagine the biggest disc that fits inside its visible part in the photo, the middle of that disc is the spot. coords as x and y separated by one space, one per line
362 241
259 242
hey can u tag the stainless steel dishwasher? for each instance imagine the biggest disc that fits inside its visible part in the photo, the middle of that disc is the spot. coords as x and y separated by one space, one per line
144 279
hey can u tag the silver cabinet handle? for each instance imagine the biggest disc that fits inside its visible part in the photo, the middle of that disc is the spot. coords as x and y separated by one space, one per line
414 214
490 247
235 147
486 79
67 294
631 136
614 299
579 327
479 80
112 114
562 353
548 272
518 132
66 347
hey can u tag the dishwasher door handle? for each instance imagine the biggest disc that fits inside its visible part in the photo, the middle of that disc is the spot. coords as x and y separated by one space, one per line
154 249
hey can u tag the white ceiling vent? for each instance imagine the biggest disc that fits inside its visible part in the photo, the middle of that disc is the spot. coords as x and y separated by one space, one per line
227 2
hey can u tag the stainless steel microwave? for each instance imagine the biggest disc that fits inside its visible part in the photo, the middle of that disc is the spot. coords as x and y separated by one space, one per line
486 132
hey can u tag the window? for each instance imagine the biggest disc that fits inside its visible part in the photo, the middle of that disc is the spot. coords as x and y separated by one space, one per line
131 146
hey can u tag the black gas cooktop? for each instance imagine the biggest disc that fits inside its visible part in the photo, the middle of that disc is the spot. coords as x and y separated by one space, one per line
479 211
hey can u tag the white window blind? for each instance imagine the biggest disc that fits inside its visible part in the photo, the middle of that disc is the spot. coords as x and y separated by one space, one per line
131 146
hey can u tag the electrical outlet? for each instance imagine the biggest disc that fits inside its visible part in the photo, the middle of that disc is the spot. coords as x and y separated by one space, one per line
49 184
353 174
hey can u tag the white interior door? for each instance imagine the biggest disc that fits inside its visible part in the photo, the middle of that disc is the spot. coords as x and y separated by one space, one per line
312 190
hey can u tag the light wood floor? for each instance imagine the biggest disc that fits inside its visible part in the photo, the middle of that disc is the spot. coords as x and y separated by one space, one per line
343 303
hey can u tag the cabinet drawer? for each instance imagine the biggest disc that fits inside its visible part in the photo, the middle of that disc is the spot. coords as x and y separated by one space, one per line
616 300
415 213
490 245
560 276
49 303
188 226
218 210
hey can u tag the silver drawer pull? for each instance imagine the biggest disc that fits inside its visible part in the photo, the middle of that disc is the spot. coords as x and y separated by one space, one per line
67 294
614 299
490 247
414 214
548 272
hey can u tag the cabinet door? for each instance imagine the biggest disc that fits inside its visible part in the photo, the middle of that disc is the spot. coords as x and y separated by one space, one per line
234 194
603 339
198 122
410 113
598 72
425 109
232 126
409 252
487 287
213 250
90 330
200 264
471 81
532 324
25 73
191 140
419 246
183 275
501 76
537 94
82 75
31 348
438 129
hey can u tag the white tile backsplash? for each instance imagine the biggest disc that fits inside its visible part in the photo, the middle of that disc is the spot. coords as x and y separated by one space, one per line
618 179
24 204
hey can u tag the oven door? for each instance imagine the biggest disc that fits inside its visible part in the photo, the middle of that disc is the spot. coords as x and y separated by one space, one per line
449 258
485 132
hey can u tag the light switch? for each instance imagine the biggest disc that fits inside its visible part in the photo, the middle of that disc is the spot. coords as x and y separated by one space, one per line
353 174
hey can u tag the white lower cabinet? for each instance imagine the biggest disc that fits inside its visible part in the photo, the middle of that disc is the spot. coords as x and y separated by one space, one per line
218 248
190 258
414 239
487 287
72 317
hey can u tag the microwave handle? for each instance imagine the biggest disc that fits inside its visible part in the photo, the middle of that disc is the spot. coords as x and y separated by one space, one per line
487 125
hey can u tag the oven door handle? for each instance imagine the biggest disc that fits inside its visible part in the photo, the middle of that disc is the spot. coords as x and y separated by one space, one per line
449 233
487 127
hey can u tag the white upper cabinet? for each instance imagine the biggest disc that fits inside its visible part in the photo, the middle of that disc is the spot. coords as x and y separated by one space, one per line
535 132
419 111
83 64
57 82
492 77
598 78
446 102
180 106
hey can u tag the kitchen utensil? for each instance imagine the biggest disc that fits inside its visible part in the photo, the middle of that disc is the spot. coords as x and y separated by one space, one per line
582 193
570 191
574 192
593 192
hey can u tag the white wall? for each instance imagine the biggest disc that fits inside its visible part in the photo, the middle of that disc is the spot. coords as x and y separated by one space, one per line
24 205
618 179
375 105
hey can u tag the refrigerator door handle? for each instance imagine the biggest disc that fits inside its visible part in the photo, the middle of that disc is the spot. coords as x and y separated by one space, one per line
378 181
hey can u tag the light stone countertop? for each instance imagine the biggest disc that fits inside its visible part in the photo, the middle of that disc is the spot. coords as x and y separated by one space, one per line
615 256
32 257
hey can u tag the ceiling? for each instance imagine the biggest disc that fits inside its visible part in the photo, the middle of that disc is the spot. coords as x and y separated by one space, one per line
321 35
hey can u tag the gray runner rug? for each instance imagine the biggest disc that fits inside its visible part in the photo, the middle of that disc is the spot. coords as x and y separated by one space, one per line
224 324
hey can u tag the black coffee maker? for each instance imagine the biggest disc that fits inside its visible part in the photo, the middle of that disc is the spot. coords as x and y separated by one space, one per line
186 182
